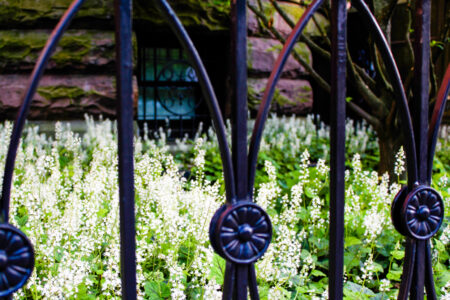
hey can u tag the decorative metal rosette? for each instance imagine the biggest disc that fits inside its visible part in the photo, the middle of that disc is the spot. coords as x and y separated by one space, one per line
16 259
241 232
419 213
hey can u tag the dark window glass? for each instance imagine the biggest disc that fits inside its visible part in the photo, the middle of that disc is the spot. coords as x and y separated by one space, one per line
169 92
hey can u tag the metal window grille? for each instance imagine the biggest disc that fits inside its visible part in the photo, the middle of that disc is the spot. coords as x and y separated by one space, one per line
169 92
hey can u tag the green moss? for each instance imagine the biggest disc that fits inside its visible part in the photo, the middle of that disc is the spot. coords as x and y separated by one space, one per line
62 92
16 47
253 97
282 100
303 51
21 48
73 93
210 14
295 12
19 13
72 49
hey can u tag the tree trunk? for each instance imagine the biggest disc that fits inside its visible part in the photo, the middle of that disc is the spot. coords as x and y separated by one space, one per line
389 142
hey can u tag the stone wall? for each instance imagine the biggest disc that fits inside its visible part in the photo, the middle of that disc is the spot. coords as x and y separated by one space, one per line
80 77
294 92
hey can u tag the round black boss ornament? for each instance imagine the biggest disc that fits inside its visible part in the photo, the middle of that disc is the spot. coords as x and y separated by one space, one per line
16 259
241 232
419 213
423 212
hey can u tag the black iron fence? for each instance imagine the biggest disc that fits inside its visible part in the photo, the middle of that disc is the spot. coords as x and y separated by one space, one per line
241 231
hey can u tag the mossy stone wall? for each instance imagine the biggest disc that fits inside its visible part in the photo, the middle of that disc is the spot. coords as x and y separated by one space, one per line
87 51
29 13
78 51
207 14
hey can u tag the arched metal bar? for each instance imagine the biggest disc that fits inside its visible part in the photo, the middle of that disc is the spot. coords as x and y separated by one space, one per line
417 290
208 92
394 75
436 118
26 103
252 283
263 111
429 282
408 269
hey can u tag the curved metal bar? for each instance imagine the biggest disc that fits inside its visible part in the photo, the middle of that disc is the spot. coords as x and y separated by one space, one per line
252 283
208 92
429 282
436 118
263 111
417 290
408 269
28 97
394 75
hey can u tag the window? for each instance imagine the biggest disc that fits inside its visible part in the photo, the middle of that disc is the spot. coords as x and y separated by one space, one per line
169 92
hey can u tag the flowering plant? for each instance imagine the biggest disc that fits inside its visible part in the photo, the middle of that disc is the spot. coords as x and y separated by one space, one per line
65 198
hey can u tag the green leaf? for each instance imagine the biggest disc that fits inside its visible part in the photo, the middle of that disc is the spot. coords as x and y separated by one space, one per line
310 192
398 254
354 287
157 290
318 273
394 275
351 241
217 269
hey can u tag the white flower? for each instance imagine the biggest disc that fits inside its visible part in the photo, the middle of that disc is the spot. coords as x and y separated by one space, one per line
400 158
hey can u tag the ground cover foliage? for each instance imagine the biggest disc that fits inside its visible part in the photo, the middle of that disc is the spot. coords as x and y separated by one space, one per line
65 198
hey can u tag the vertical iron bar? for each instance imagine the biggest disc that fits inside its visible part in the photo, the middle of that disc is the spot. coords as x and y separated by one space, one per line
252 284
420 103
144 65
241 282
337 138
124 53
239 71
421 85
228 283
155 89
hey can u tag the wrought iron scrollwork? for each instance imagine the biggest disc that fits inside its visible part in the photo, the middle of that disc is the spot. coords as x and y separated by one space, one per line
240 230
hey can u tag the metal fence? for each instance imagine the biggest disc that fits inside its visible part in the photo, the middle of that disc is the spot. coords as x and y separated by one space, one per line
241 231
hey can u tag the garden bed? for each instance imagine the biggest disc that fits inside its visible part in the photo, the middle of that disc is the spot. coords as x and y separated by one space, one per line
65 198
